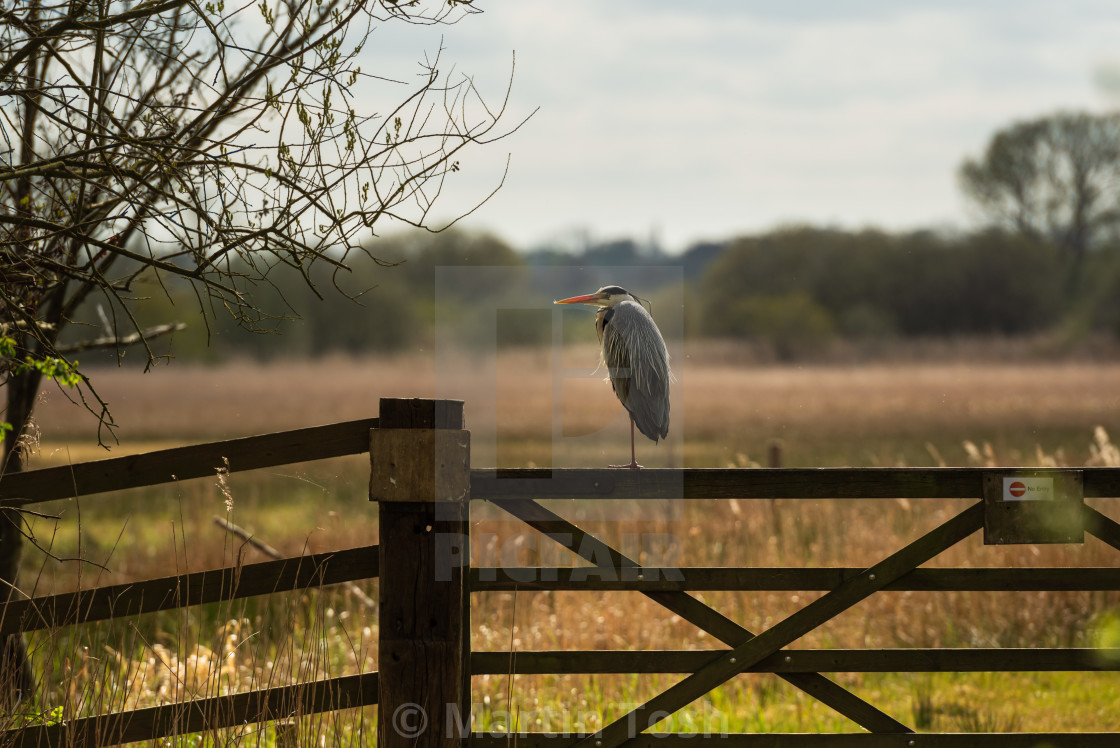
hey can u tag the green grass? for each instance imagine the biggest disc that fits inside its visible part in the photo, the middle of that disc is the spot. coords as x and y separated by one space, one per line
929 702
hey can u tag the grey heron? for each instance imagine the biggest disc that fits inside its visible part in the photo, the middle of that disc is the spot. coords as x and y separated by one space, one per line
636 359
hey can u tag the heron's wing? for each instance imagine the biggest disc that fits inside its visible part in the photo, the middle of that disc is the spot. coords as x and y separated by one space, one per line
616 355
638 364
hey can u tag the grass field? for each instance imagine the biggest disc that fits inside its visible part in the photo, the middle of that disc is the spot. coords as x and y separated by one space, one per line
726 412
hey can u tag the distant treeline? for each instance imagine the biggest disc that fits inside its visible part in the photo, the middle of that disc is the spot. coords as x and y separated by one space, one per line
793 289
804 286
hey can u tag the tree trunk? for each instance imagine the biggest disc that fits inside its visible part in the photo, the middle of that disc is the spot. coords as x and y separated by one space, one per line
16 679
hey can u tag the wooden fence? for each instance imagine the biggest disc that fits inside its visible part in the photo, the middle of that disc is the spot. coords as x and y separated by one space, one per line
423 482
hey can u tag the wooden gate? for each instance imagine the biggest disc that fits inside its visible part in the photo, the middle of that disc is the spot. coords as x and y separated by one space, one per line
766 651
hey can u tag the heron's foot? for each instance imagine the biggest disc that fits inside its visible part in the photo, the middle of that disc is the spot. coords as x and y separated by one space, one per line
632 466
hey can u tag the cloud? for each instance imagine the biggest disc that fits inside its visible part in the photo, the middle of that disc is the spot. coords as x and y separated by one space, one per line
712 118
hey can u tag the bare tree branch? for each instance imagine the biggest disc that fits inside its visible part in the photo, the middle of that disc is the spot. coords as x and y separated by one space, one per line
121 341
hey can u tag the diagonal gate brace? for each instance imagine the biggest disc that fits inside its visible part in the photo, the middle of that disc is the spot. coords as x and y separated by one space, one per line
1103 526
697 613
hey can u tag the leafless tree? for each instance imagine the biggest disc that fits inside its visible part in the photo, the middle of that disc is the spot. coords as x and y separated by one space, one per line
193 142
1056 178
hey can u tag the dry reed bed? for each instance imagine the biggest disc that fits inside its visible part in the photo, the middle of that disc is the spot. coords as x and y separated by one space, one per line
534 399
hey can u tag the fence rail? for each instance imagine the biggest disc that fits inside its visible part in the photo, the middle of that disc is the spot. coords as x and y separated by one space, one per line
181 463
421 477
848 740
765 483
197 588
890 660
202 715
791 579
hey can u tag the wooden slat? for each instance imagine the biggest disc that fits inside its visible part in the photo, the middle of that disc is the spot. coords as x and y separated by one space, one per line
654 579
230 583
788 630
766 483
201 715
695 612
801 661
804 740
180 463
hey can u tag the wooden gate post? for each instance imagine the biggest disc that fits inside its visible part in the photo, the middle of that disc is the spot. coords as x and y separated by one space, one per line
420 475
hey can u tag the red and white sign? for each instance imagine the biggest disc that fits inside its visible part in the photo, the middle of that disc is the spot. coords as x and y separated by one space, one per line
1028 489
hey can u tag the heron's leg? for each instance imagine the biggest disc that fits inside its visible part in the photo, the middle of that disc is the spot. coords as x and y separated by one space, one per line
633 456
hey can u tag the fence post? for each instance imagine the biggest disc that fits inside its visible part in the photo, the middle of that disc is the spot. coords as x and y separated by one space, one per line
420 475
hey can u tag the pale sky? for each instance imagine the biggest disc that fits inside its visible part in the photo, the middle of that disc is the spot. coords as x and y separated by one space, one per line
703 120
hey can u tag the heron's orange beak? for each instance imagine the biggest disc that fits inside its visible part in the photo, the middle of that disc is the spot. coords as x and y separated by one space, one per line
591 298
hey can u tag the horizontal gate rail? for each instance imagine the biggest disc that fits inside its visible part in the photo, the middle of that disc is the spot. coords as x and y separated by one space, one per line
181 463
800 579
804 740
889 660
200 715
770 483
196 588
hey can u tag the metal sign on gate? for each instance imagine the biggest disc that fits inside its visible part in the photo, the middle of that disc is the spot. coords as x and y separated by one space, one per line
1033 506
